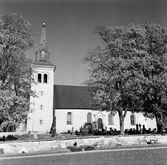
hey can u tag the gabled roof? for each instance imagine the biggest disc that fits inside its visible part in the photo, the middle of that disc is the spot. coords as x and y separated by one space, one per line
72 97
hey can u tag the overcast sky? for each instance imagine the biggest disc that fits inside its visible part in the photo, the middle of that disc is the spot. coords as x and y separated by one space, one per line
70 25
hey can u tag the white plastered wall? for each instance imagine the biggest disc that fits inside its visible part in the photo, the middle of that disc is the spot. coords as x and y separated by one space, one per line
44 114
79 117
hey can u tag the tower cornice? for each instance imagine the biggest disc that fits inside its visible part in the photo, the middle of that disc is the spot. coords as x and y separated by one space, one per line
43 66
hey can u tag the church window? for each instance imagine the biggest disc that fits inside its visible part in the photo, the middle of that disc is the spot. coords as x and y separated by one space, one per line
45 78
41 107
89 117
110 119
132 119
39 78
41 93
69 118
41 122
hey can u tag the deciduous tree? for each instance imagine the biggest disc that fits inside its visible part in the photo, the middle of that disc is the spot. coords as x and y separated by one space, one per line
154 72
128 72
16 37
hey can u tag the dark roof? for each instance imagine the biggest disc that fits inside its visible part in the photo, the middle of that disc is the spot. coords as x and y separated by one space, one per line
72 97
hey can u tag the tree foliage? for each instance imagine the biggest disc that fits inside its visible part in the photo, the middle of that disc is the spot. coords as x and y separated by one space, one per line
129 71
16 37
155 74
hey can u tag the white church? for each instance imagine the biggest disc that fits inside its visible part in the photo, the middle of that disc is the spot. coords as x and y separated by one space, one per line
71 105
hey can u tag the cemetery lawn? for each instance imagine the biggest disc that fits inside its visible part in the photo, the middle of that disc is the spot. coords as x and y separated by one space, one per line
145 156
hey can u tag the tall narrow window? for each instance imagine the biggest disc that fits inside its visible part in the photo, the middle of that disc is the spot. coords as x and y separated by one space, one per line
41 121
45 78
69 118
132 119
89 117
110 119
39 78
41 107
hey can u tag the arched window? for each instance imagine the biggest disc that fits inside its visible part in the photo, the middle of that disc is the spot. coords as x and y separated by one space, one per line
69 118
110 119
39 78
89 117
45 78
132 119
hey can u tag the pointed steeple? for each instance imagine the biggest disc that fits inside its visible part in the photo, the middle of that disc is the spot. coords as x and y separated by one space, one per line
43 36
42 54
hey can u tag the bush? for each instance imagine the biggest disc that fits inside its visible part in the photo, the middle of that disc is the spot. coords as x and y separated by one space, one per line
7 126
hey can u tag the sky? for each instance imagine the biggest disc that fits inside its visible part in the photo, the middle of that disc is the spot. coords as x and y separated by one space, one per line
70 27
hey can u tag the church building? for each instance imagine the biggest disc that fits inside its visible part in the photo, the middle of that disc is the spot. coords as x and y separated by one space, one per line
71 105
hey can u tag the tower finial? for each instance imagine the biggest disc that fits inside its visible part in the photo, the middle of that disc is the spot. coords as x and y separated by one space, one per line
44 24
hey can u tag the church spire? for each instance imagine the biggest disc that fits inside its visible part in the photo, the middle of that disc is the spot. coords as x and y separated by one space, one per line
43 36
42 54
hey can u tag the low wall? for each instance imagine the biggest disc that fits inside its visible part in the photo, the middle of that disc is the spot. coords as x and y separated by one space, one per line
11 133
111 141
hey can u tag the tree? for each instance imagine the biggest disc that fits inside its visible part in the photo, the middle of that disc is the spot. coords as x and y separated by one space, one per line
111 72
121 71
154 71
16 37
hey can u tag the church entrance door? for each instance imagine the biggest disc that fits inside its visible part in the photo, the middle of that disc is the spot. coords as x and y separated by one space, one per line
100 123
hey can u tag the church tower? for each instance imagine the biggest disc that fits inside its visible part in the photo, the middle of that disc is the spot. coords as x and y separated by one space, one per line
41 106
